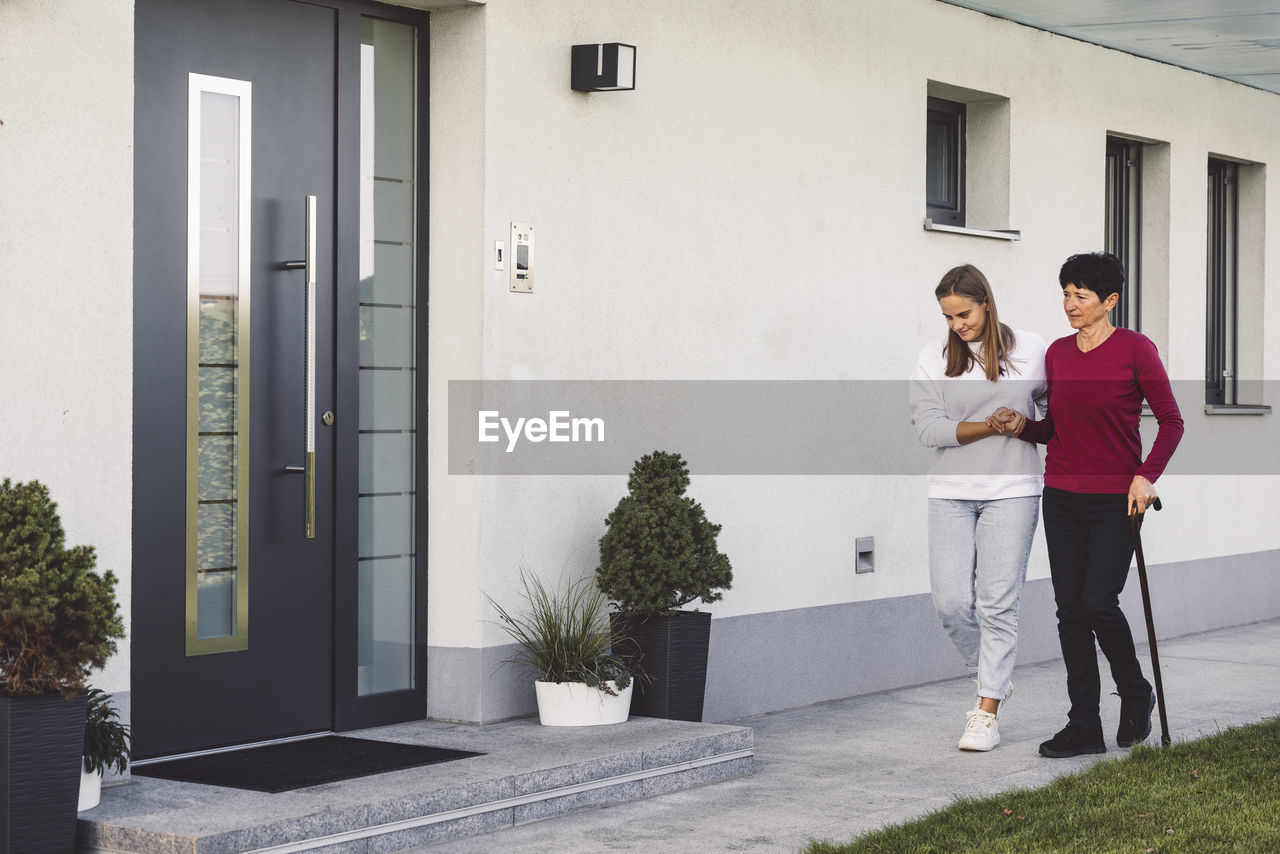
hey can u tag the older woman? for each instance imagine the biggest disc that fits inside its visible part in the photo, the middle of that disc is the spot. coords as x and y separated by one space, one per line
984 488
1095 478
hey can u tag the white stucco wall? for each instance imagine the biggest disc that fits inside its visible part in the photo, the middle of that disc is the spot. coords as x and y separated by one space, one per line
455 315
66 277
753 211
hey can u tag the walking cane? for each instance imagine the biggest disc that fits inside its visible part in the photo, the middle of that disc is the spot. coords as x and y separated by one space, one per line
1151 628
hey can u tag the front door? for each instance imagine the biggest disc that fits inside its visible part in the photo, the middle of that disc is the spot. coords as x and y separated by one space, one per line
256 527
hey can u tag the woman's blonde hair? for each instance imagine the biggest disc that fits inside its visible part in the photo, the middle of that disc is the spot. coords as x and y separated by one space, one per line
967 281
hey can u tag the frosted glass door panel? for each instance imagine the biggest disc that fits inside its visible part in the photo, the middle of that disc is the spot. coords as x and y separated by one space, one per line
386 525
217 549
390 275
387 339
219 124
388 348
217 608
392 210
217 481
386 463
386 399
386 620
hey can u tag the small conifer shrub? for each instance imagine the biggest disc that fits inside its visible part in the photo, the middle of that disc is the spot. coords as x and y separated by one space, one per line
58 618
659 552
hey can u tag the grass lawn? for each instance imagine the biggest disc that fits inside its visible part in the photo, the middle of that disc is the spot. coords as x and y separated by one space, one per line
1219 793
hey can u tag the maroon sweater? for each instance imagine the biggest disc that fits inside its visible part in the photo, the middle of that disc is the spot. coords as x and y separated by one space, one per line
1095 400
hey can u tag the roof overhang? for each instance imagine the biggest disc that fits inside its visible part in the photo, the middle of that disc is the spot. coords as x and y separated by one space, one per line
1234 39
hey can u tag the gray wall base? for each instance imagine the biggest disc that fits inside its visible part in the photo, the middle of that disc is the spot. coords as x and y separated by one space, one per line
472 685
768 662
786 659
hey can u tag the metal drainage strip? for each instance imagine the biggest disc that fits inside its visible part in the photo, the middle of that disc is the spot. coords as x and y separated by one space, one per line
507 803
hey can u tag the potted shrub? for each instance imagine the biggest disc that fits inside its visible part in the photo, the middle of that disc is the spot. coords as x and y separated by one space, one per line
106 745
58 621
657 555
566 639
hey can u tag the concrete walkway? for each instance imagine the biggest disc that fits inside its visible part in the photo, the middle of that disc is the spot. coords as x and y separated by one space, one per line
839 769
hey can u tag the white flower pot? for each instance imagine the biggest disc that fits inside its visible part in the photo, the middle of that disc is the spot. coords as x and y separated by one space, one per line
90 789
577 704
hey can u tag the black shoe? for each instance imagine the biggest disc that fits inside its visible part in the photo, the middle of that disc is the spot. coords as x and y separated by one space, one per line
1073 740
1135 718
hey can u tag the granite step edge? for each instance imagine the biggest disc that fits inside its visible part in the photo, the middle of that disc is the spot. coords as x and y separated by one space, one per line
519 794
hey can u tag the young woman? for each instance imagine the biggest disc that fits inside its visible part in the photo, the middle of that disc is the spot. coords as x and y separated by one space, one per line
984 490
1095 478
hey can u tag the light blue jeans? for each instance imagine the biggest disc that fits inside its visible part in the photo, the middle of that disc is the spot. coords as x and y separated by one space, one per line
978 554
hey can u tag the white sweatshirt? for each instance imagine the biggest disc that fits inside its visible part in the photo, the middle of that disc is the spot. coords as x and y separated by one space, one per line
994 466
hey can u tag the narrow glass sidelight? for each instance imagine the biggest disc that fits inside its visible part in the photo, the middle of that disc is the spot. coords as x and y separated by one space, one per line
388 366
218 292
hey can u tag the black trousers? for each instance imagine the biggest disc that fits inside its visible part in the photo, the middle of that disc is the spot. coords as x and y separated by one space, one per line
1090 545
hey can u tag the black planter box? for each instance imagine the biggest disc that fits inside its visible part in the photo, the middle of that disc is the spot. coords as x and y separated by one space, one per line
41 742
672 651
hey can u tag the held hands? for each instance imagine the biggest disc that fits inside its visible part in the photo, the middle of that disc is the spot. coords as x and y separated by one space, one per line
1009 421
1005 420
1141 495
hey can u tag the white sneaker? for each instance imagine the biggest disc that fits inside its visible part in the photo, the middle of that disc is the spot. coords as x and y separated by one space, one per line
980 731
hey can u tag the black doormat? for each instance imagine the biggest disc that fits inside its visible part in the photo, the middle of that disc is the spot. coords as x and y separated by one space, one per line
298 764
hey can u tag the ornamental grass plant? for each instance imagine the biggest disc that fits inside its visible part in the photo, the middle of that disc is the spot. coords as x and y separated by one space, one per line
565 634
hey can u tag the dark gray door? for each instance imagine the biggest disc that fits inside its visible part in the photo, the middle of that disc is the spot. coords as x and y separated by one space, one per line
233 591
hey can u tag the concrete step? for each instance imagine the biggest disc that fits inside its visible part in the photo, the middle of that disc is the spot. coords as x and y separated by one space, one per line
529 772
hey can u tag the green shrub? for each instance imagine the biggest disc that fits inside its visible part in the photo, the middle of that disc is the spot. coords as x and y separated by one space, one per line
659 552
58 618
106 739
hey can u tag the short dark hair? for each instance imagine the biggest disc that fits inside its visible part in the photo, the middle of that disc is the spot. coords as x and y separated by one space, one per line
1100 272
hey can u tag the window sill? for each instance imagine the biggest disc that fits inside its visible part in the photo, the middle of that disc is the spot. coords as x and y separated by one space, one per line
998 234
1236 409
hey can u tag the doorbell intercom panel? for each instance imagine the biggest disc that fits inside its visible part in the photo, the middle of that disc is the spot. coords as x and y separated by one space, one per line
521 258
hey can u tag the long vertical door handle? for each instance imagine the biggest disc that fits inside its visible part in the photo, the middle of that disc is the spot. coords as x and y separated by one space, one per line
308 265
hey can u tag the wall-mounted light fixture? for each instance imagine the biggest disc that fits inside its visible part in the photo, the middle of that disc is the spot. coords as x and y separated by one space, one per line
603 67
